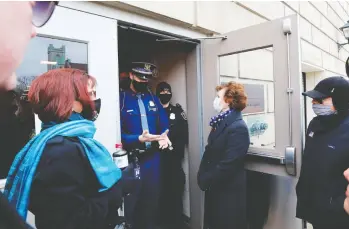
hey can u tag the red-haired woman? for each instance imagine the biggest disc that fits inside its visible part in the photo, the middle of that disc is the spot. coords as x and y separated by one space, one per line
222 175
65 177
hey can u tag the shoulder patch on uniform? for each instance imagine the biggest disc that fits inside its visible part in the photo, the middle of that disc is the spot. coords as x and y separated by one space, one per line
184 116
179 107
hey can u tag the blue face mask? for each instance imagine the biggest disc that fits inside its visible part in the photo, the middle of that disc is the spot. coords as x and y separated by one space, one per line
323 110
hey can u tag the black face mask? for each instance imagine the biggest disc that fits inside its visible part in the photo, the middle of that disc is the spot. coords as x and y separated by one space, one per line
165 98
98 104
140 86
92 115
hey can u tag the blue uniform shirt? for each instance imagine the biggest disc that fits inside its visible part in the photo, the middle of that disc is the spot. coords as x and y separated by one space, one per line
130 116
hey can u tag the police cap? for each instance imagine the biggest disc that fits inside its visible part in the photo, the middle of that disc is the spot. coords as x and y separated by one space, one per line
143 70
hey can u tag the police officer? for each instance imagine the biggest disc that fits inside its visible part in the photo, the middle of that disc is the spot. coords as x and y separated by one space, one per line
144 126
173 178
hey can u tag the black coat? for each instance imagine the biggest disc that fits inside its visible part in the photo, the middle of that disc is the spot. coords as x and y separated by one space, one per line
321 186
64 192
222 175
9 218
178 134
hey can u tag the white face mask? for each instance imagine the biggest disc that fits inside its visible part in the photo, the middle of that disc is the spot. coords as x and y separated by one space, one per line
217 105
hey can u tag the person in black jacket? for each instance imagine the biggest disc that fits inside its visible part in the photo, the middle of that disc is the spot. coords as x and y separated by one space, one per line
17 26
321 186
173 177
222 174
13 134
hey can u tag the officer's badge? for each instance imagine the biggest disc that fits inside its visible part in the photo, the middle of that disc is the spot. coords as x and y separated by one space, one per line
184 116
311 134
147 67
152 106
172 116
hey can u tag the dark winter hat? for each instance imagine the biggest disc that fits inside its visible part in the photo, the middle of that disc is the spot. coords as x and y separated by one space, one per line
163 86
335 87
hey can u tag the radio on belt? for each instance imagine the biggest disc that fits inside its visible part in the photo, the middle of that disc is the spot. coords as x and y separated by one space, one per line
120 157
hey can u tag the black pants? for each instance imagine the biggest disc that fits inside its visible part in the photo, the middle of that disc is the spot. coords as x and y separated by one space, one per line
171 196
131 188
141 205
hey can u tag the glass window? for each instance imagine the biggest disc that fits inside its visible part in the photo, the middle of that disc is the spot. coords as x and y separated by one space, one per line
42 55
254 69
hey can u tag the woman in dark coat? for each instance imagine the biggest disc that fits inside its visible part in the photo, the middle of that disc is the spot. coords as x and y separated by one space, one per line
66 178
222 175
321 186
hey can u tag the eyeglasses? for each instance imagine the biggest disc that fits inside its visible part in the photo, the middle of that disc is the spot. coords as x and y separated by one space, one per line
42 12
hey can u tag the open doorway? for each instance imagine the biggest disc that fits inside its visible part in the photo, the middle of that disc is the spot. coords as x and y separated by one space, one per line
171 59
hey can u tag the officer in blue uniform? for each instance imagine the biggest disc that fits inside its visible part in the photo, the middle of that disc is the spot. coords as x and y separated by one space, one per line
144 125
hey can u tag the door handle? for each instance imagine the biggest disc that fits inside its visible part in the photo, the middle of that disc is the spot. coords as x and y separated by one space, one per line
290 151
290 160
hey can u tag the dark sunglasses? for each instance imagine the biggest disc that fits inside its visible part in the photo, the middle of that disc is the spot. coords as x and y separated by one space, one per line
42 12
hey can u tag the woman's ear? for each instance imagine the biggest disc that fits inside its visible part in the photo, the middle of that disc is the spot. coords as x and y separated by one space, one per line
226 101
77 107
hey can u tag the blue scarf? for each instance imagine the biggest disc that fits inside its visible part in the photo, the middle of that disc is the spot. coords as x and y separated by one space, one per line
23 169
216 120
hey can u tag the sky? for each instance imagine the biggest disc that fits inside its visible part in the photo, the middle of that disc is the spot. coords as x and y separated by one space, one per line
37 51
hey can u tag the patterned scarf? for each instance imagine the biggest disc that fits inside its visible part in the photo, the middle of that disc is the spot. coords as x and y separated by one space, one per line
23 169
216 120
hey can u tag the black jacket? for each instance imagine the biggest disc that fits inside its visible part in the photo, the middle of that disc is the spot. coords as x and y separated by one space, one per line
15 130
178 134
321 186
64 192
222 175
9 218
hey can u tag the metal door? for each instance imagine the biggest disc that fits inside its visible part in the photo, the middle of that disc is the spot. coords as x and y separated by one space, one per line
266 59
